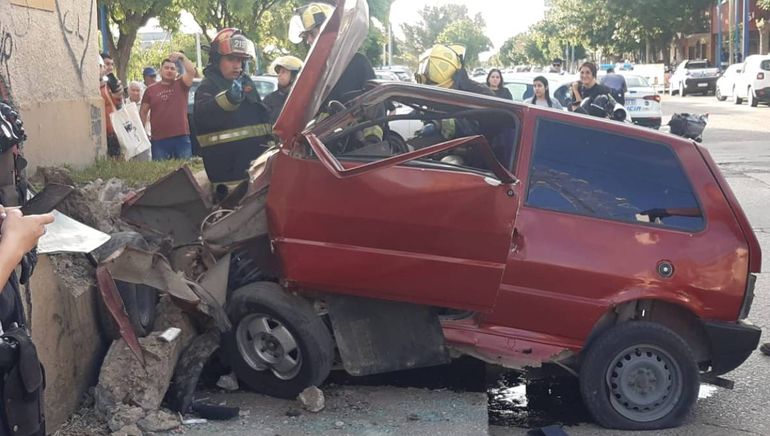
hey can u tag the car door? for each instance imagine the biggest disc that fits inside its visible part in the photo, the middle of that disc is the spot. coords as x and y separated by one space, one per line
394 229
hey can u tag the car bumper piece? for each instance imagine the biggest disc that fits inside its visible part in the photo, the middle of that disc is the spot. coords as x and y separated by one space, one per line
731 343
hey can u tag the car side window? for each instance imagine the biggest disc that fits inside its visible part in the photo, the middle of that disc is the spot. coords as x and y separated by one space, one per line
604 175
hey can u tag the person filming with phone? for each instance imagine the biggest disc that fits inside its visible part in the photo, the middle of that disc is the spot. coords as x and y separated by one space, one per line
21 375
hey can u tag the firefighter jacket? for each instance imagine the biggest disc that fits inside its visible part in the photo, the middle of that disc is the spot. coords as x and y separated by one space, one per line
230 135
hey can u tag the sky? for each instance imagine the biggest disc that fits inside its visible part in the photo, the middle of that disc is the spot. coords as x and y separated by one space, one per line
504 18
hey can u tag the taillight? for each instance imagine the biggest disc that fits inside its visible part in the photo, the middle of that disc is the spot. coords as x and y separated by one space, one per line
654 97
760 76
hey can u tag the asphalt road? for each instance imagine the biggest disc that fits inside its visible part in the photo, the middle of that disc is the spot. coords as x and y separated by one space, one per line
737 138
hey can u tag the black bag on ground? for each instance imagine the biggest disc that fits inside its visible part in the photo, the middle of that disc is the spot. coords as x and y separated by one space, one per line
688 125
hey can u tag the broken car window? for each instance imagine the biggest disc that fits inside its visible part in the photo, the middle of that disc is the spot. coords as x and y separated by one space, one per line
596 173
412 125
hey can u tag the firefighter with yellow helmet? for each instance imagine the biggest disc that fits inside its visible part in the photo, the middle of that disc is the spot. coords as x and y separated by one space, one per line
306 26
443 65
287 68
232 123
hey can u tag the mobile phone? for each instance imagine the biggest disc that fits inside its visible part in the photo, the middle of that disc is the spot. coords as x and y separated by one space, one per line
46 200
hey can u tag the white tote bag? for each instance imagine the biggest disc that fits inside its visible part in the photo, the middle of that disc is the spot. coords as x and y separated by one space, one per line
130 131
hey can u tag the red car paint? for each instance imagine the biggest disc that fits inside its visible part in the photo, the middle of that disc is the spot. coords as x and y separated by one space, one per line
539 280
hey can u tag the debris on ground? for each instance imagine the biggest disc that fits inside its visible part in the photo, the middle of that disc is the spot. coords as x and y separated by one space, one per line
123 415
129 430
158 421
228 382
312 399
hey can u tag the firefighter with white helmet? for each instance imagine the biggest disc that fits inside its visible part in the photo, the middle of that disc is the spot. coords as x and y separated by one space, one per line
232 123
305 26
287 68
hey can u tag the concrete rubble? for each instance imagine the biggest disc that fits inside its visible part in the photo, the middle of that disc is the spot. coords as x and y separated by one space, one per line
312 399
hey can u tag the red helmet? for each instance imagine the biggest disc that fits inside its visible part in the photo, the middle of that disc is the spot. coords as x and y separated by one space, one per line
231 41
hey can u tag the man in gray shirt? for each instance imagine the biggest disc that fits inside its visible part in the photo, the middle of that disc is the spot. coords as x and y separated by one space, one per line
617 83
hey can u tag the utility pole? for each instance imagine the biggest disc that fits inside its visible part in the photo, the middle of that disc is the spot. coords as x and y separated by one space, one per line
731 25
745 29
718 47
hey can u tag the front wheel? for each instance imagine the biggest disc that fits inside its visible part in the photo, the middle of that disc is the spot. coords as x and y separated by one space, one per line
719 95
682 90
639 376
278 345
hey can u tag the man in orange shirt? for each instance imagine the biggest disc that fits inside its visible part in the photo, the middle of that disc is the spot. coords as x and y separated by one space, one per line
111 91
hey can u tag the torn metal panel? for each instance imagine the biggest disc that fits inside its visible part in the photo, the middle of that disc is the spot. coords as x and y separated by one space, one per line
65 235
376 336
174 205
114 303
215 279
142 267
249 221
188 371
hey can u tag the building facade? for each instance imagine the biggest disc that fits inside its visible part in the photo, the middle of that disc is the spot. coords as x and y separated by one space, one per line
49 71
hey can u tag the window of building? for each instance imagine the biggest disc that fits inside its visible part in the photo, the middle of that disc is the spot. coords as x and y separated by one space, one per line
595 173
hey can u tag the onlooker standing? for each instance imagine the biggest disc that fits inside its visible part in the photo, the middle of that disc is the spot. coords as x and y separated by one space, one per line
135 89
150 76
587 87
496 83
617 85
166 103
543 95
287 68
556 67
111 91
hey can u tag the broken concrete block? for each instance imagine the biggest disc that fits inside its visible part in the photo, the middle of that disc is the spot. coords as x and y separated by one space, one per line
228 382
129 430
124 378
159 421
104 402
168 315
123 416
312 399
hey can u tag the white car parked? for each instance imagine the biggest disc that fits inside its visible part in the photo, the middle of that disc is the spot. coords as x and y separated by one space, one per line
642 102
753 84
726 82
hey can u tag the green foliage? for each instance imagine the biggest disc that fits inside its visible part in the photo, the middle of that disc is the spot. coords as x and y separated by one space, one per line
434 20
612 28
469 33
152 56
135 173
764 4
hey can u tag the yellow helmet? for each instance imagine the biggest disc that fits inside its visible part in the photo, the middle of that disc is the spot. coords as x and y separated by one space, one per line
290 63
438 65
307 18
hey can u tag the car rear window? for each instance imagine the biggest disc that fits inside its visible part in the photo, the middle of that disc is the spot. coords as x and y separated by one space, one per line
636 82
520 91
696 65
765 65
595 173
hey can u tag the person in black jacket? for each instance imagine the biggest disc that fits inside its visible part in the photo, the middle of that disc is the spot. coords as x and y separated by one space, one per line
232 123
496 83
20 369
287 68
587 87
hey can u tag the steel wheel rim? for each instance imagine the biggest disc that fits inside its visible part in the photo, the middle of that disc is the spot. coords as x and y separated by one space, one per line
644 382
266 344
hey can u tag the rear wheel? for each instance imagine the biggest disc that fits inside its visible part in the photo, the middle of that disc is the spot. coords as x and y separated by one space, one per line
753 102
278 345
639 376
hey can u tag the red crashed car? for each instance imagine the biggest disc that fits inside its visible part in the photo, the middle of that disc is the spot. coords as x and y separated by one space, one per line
529 236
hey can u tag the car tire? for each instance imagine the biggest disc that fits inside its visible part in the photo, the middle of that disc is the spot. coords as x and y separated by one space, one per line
639 375
682 90
752 99
267 321
736 99
397 143
719 95
140 301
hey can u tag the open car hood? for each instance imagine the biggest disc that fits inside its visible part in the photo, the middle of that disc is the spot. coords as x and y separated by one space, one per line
340 37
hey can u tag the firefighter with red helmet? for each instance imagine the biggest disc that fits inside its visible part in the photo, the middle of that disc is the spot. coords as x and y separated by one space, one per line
233 125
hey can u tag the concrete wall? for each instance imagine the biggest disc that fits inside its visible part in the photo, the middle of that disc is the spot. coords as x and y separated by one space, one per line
49 71
66 334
